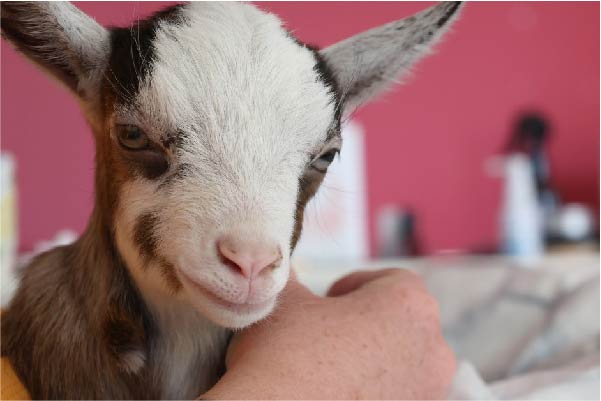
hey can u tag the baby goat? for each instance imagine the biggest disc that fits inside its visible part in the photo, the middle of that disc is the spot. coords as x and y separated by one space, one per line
213 127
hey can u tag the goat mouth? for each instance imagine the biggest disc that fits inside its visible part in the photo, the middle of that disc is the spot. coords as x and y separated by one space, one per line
215 299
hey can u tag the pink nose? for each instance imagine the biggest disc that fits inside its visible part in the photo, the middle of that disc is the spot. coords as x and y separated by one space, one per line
248 257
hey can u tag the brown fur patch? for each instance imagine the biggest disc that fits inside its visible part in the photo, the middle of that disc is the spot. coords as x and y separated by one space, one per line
307 187
145 239
168 273
144 236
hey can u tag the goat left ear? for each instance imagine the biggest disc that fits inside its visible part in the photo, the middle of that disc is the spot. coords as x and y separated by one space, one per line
366 64
59 38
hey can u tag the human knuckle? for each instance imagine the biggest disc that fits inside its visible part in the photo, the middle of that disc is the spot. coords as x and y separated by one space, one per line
404 295
416 296
430 305
405 274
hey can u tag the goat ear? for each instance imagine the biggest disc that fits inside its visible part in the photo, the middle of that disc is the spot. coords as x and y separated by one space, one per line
366 64
59 38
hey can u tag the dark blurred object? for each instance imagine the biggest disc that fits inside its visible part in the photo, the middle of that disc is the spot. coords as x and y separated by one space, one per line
561 222
531 136
397 234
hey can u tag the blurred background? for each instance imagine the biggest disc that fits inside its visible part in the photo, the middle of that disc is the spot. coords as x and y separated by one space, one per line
486 159
422 175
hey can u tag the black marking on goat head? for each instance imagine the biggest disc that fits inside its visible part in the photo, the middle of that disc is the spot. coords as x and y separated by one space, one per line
133 52
326 76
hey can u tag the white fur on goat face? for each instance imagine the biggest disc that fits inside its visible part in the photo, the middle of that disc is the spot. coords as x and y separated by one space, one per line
249 116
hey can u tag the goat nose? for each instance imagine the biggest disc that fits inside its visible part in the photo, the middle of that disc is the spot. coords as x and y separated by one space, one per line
248 258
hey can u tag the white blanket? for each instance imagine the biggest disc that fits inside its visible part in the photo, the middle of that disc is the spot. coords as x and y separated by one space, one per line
522 334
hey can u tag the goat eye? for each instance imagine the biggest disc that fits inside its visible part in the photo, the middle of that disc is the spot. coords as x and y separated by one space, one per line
132 137
324 160
328 157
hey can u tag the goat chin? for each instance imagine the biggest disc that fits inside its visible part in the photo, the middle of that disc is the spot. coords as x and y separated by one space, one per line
234 316
225 313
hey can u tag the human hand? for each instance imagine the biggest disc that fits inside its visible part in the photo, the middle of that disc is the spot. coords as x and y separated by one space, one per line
377 335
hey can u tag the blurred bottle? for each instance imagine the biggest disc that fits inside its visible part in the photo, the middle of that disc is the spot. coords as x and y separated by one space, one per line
397 234
8 228
529 200
531 138
522 230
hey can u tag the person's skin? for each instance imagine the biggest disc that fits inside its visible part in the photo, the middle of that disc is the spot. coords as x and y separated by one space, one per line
376 336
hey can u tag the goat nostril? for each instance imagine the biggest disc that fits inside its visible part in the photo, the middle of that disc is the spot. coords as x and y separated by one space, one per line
250 259
226 257
231 264
276 262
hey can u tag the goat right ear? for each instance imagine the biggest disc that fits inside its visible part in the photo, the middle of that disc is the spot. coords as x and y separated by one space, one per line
368 63
59 38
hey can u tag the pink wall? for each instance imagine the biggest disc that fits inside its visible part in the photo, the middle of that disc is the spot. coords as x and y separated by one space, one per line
427 142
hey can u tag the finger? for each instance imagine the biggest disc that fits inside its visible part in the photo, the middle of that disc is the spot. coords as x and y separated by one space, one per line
357 279
399 280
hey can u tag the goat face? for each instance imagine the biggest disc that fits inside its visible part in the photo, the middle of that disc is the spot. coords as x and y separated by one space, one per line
229 129
214 127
